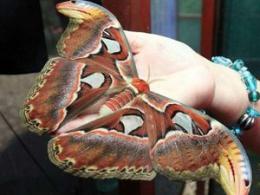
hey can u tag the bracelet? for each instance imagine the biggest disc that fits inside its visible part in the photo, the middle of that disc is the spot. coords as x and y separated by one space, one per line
247 120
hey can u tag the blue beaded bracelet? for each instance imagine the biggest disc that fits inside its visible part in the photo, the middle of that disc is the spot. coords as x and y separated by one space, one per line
247 120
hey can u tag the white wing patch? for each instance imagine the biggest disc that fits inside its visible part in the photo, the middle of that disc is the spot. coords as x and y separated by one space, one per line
131 123
112 46
95 80
184 121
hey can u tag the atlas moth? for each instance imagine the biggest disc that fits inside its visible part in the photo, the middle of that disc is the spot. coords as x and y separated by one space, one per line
106 123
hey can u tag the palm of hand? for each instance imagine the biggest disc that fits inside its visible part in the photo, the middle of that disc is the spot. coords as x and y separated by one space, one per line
187 77
177 71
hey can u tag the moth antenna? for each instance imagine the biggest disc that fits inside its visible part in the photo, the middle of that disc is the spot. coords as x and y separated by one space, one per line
148 80
155 80
149 74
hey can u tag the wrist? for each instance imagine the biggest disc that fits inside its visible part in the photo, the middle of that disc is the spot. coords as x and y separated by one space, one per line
230 98
251 138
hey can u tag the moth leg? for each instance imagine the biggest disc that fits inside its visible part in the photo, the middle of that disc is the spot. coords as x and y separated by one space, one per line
102 154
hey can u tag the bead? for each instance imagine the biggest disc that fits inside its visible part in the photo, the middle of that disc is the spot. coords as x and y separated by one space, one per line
238 64
254 96
245 72
243 118
247 120
222 60
252 112
251 83
250 86
237 130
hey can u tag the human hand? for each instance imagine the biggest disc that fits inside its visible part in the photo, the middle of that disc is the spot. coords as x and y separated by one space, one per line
187 77
193 80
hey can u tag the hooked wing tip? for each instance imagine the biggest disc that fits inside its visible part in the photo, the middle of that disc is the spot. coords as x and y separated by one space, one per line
235 173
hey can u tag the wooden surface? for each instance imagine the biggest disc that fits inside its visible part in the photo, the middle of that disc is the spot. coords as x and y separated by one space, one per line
133 15
208 24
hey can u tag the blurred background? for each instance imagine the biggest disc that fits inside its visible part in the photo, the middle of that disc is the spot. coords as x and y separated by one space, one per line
29 31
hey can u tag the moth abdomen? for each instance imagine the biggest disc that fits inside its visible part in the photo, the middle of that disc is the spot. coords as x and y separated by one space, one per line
118 101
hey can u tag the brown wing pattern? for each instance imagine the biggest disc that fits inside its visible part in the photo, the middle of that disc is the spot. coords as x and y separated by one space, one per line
196 147
135 132
189 146
92 27
96 63
66 88
55 89
114 146
102 153
135 127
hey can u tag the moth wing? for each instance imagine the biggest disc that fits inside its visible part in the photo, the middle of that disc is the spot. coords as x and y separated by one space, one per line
92 31
96 62
196 146
64 89
114 146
